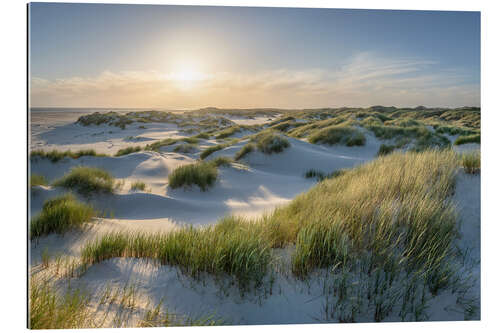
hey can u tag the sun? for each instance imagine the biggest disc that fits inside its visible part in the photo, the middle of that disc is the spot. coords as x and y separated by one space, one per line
186 76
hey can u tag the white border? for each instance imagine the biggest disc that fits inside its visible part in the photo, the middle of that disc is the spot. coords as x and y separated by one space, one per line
13 162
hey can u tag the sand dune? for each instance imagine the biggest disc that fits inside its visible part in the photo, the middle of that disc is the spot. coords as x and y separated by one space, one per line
250 187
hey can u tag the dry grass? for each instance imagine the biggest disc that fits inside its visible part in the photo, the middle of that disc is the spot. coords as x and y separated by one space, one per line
471 162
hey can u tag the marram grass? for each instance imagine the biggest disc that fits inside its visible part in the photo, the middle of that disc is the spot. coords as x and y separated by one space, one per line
471 161
56 155
87 180
59 215
387 219
37 180
229 247
202 174
128 150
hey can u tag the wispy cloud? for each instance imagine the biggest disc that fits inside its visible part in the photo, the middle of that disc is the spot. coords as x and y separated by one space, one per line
366 79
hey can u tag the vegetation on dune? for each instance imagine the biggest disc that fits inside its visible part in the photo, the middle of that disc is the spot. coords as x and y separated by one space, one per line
221 161
110 118
320 175
205 136
128 150
49 310
228 132
453 130
212 149
138 186
317 125
338 134
385 149
248 148
228 247
37 180
463 139
471 161
185 148
55 307
365 205
390 219
270 142
190 140
87 180
155 146
421 136
313 173
56 155
202 174
60 215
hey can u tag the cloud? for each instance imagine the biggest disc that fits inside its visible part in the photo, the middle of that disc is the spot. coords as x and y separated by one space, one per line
366 79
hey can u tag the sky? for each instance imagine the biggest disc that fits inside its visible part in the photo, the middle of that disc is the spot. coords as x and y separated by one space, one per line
184 57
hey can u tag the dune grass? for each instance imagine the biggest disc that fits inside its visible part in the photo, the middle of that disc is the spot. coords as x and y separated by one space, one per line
155 146
191 140
185 148
385 149
49 310
37 180
228 247
386 220
228 132
248 148
313 173
463 139
221 161
59 215
393 208
338 134
87 180
128 150
471 162
212 149
138 186
56 155
205 136
202 174
270 142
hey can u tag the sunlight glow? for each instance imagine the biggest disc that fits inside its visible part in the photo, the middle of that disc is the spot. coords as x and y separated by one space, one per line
186 75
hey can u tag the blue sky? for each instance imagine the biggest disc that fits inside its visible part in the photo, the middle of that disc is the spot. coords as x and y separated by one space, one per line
187 56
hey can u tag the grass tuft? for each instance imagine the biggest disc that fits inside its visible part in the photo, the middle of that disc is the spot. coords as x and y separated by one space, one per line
338 134
269 142
248 148
37 180
471 162
221 161
463 139
56 155
138 186
202 174
128 150
228 132
87 180
228 247
212 149
185 148
60 215
49 310
385 149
